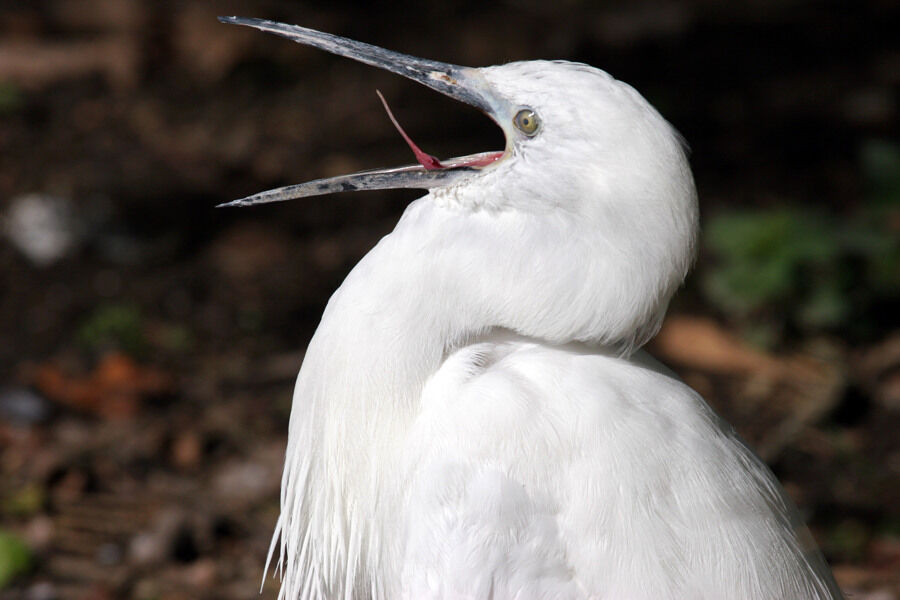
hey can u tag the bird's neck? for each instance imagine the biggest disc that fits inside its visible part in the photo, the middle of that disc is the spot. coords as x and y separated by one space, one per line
383 333
386 330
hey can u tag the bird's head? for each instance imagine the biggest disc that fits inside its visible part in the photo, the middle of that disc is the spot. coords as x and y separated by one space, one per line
586 157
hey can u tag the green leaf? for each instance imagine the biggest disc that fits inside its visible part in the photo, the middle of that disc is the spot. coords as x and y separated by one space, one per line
880 162
25 501
10 98
15 558
114 325
826 307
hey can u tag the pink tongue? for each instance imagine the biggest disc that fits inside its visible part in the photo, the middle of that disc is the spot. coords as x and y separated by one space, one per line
426 160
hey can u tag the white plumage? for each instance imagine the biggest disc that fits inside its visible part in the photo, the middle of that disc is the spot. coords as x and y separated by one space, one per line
471 420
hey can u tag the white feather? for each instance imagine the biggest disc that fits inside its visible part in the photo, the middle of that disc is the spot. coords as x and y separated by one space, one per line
467 422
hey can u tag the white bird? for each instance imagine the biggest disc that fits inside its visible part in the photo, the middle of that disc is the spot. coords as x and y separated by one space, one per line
472 419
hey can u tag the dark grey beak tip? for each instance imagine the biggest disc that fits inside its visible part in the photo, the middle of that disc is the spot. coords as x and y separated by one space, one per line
232 204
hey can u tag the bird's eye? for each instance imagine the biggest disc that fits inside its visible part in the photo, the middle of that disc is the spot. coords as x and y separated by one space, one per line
527 121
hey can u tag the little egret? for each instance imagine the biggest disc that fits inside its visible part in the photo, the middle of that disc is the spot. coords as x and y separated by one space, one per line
473 419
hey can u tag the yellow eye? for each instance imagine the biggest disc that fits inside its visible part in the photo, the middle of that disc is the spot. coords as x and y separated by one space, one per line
527 121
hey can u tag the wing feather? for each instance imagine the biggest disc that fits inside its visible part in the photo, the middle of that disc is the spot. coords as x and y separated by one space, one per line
537 472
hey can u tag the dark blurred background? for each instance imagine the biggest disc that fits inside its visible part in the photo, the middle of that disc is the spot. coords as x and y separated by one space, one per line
149 341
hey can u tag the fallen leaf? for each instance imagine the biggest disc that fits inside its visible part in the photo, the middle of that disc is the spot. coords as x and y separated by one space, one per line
702 343
114 389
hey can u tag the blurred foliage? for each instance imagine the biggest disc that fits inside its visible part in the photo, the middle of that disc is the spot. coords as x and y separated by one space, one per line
25 501
848 540
251 321
15 558
11 98
791 268
113 326
881 172
176 339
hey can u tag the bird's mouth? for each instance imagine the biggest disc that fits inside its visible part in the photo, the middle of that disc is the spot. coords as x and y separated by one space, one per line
461 83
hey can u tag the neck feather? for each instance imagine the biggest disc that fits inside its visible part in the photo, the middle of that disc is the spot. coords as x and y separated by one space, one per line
444 276
379 340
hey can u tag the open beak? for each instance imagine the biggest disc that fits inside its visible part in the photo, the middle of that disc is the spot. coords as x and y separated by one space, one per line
462 83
